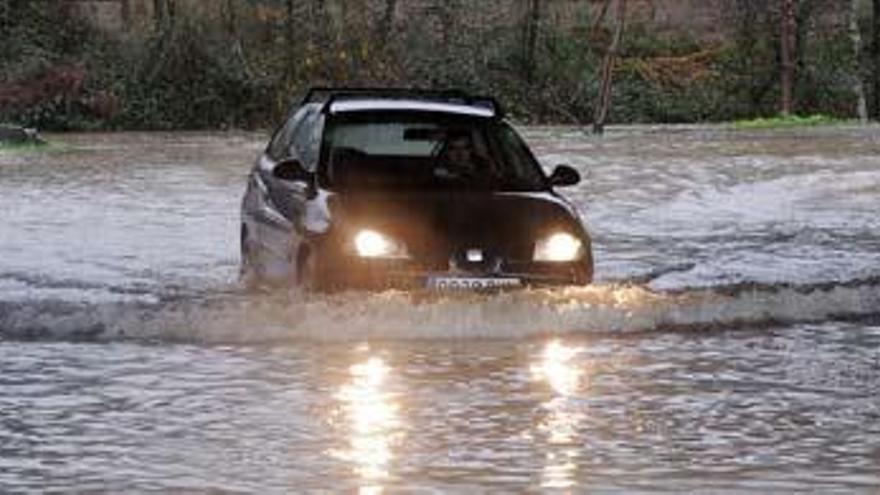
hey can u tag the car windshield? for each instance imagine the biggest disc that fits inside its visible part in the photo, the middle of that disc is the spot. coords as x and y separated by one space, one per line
408 150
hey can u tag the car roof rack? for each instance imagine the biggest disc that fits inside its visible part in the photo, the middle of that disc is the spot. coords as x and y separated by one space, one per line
326 95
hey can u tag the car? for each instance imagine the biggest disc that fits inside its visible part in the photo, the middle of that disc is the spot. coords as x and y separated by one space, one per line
378 188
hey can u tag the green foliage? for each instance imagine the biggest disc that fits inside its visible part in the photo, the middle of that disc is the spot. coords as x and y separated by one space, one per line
35 36
36 40
208 73
641 41
186 79
824 85
15 147
786 121
182 77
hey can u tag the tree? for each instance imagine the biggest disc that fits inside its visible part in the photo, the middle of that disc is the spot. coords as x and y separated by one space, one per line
876 49
530 37
233 32
604 101
126 12
289 31
5 9
163 14
786 55
387 22
802 16
856 39
599 18
318 21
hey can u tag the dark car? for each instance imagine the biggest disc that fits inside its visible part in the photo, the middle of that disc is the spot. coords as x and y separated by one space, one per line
382 188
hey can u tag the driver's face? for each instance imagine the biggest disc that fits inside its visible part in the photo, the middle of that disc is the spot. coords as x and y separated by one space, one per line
460 151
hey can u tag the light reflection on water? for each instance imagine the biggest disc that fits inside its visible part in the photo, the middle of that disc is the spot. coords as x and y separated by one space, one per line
557 370
373 422
565 375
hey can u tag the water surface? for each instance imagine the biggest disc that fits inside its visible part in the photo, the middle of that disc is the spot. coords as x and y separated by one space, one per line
731 342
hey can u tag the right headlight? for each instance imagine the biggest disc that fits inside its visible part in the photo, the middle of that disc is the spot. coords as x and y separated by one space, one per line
560 246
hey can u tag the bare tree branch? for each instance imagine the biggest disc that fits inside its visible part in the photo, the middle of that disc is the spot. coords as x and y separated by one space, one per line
599 19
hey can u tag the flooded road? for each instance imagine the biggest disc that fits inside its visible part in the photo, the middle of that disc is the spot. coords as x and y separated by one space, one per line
731 342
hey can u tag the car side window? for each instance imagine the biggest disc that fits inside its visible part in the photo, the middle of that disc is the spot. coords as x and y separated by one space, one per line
281 145
520 164
305 143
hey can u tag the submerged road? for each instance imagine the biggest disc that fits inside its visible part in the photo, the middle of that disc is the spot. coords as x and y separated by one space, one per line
731 342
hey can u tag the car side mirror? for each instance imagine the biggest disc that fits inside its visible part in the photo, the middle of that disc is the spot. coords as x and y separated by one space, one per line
564 175
291 169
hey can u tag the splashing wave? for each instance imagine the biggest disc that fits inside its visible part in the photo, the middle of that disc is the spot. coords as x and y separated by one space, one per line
281 316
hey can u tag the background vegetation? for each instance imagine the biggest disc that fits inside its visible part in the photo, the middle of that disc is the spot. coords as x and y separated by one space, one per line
245 62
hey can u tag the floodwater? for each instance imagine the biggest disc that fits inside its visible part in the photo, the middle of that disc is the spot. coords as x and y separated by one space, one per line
731 342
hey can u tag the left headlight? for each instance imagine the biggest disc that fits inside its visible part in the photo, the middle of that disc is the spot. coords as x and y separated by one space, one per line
560 246
372 244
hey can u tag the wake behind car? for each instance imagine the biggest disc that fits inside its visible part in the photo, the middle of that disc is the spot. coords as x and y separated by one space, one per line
391 188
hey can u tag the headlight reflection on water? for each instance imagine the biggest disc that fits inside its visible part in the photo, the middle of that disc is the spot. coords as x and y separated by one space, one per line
373 421
558 368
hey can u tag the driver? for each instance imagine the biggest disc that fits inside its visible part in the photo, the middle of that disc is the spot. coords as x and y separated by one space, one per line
460 160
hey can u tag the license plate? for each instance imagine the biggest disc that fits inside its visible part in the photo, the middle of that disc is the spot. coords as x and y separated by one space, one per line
471 283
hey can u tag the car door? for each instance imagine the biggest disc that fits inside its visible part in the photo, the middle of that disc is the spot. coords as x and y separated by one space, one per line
281 224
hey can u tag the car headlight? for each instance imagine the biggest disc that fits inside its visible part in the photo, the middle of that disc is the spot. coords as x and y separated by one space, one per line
560 246
372 244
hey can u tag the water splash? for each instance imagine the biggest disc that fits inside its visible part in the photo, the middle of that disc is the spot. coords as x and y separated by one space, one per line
279 317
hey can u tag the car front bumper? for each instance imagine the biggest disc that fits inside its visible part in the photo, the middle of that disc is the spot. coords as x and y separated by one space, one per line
378 274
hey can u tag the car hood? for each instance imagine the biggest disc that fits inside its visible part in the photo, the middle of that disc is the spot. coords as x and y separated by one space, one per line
441 222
